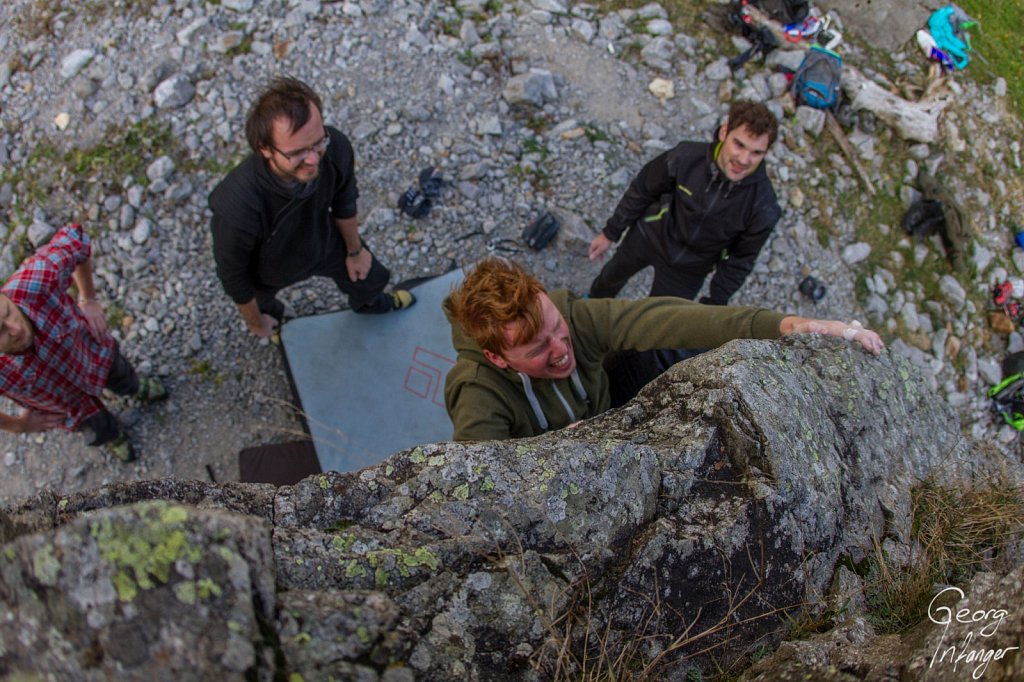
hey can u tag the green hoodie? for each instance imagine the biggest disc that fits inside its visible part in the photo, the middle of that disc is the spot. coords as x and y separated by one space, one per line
486 402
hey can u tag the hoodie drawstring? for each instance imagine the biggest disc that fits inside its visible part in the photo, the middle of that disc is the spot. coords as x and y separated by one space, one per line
531 397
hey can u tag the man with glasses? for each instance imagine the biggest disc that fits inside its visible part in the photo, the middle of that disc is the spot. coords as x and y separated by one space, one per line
288 212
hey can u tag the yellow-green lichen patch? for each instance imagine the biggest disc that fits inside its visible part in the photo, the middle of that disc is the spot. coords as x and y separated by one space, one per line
355 569
9 553
487 485
341 543
234 626
173 515
226 553
295 677
185 592
461 492
435 461
522 450
143 554
388 470
416 456
324 484
63 504
421 557
363 634
302 638
45 566
436 497
380 578
206 588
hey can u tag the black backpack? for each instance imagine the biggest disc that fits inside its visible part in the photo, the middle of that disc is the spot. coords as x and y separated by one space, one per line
785 11
817 81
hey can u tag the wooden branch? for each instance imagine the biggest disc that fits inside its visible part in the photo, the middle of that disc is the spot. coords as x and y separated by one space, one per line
840 137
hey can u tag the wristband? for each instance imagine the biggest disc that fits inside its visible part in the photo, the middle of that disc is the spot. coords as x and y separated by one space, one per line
851 331
353 254
82 300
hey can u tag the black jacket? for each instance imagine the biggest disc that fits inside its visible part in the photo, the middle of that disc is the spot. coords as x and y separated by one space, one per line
695 215
267 235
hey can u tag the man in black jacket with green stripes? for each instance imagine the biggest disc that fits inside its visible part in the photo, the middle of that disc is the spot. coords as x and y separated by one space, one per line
697 207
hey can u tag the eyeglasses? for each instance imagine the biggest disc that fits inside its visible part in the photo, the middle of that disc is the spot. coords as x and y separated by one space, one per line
301 154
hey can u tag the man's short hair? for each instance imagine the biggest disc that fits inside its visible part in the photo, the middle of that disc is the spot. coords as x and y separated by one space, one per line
494 294
284 97
757 117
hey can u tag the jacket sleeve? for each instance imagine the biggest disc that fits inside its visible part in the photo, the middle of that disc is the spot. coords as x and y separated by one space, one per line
477 413
344 201
647 187
670 322
731 272
236 230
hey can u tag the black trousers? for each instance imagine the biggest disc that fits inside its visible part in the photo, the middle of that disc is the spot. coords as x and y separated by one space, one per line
365 296
633 254
631 370
122 380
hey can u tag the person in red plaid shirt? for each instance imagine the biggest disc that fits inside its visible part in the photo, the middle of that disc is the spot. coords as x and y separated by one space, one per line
56 357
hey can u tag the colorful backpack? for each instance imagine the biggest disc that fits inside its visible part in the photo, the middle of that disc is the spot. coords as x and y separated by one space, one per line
816 82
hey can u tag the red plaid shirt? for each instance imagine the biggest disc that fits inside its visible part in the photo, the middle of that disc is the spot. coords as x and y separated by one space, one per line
65 369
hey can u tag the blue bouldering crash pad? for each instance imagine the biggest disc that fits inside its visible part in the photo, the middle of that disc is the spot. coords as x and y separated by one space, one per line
371 385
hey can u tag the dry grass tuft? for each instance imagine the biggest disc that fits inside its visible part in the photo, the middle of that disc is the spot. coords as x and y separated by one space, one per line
956 531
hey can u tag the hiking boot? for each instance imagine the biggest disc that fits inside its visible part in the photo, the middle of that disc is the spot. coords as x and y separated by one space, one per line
402 299
150 390
121 448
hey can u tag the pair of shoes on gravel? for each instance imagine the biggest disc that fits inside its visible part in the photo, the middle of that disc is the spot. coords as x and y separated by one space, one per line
402 299
150 390
121 448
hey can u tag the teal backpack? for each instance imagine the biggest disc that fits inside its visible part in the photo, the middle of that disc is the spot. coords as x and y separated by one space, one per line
816 82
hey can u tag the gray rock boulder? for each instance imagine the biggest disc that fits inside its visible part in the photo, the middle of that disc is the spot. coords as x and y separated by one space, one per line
719 499
535 87
176 91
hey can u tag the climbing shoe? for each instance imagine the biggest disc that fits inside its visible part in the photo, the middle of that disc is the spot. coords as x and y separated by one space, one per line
121 448
431 182
402 299
150 390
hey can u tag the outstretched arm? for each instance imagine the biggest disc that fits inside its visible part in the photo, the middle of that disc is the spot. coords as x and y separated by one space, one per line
91 308
853 331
